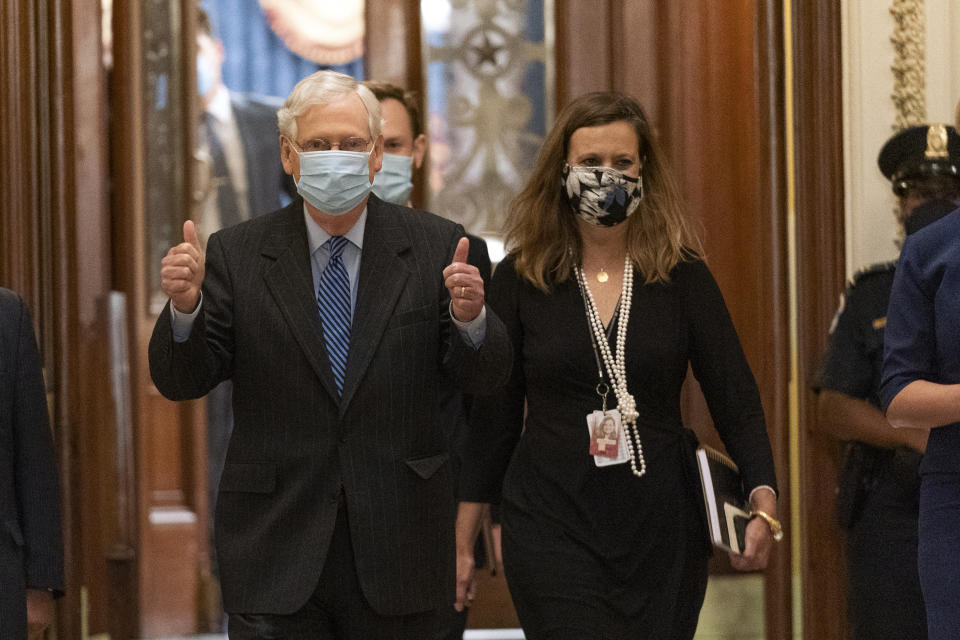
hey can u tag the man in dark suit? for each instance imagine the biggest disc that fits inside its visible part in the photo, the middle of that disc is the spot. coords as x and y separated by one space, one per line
31 547
335 318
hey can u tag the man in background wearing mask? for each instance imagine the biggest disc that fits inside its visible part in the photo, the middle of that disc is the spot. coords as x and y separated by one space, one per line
404 149
242 176
879 488
336 318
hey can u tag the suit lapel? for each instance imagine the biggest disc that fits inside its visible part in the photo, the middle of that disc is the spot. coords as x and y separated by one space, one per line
290 281
383 274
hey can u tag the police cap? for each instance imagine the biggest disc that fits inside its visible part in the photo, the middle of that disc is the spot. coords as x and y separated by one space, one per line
920 152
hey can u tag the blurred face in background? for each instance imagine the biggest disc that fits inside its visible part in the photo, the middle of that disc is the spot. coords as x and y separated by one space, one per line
402 153
209 62
398 138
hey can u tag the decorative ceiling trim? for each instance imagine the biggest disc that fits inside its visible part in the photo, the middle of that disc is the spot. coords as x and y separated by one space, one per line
909 64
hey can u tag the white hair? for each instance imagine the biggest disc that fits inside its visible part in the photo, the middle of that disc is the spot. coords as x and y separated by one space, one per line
324 87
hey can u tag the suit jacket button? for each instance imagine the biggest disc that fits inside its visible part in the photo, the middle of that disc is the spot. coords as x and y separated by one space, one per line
343 438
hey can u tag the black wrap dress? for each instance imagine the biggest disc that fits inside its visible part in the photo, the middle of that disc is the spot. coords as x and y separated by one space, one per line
596 552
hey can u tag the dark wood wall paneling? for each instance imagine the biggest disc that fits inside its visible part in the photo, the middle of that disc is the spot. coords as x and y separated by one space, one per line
771 211
818 131
55 249
722 124
168 586
127 173
19 169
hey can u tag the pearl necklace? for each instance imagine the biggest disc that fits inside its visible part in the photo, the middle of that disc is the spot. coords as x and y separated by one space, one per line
616 366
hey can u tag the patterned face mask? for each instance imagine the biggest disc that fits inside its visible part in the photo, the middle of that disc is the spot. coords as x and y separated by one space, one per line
601 195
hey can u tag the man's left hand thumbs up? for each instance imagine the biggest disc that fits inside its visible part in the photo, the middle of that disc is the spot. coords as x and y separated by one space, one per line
464 283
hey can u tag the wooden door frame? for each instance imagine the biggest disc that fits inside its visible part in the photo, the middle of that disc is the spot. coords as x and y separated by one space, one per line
819 207
171 580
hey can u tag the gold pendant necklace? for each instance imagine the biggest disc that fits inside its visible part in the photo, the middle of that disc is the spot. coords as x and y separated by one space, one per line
602 275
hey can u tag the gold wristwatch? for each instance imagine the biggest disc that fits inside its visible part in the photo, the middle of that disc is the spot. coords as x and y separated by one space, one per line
776 529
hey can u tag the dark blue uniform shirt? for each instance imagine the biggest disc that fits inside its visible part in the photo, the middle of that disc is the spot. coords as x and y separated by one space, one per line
922 340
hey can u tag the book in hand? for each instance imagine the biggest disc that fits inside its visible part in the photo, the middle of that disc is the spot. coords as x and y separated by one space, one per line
724 499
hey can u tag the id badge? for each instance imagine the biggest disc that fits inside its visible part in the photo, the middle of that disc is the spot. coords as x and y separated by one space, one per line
608 444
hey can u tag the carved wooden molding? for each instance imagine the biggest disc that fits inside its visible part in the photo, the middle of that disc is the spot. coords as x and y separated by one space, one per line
909 63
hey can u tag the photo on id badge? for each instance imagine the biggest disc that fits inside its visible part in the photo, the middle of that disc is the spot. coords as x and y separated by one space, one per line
607 443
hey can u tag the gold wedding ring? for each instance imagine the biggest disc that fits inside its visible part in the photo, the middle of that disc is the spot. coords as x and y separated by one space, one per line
462 290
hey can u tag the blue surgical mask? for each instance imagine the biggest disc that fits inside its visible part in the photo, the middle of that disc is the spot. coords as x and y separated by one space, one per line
334 181
393 182
206 75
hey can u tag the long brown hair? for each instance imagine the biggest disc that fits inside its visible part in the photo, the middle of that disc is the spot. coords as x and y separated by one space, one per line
541 228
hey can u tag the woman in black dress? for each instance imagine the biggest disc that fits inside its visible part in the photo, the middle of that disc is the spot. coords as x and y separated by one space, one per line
607 303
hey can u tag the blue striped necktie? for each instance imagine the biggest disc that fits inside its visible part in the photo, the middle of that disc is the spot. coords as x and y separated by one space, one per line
333 300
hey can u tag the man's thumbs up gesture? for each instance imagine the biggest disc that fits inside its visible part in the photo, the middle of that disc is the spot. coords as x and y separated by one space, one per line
182 272
464 283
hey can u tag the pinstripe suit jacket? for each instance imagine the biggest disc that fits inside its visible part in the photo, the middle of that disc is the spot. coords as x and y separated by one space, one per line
31 550
295 445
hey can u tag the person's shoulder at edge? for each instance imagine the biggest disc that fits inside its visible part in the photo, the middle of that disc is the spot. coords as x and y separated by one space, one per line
936 236
933 251
9 297
12 308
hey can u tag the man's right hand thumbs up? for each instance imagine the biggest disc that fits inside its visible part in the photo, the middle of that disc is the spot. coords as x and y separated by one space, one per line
182 272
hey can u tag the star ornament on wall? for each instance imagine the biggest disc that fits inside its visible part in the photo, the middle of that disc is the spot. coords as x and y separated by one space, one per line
486 51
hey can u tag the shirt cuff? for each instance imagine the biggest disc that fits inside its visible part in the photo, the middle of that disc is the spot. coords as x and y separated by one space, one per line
760 486
474 331
181 322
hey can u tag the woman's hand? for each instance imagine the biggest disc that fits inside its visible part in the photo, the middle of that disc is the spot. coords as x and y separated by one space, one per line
39 612
758 543
759 536
469 515
466 580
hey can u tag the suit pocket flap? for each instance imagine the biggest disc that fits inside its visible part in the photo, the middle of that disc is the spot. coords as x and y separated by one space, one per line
14 528
426 467
250 477
413 316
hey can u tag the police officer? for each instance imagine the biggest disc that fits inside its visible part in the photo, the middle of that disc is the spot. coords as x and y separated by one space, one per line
878 492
